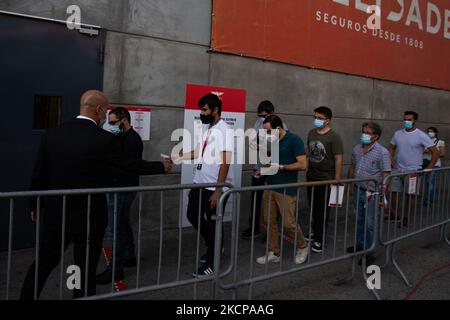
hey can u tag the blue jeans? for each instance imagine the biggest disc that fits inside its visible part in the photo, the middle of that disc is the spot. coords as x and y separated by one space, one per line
365 228
431 185
124 233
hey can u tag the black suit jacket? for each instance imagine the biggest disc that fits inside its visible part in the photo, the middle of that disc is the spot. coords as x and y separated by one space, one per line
79 155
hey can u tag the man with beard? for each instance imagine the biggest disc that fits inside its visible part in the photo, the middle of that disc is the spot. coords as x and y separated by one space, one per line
214 153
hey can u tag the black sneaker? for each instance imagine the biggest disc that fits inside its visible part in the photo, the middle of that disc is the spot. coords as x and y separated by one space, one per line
204 271
203 258
317 247
247 234
106 276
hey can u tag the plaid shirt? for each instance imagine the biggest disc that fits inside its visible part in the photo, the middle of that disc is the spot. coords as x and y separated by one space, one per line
371 165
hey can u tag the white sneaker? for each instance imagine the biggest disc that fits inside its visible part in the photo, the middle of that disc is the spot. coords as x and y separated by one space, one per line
272 257
301 255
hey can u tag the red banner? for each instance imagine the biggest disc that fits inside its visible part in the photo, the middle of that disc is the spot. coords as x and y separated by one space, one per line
401 40
233 100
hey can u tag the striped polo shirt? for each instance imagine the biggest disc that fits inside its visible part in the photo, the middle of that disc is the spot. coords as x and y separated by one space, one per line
371 165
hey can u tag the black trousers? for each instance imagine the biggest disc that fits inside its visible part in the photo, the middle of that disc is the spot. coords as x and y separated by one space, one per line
50 256
256 208
321 210
207 224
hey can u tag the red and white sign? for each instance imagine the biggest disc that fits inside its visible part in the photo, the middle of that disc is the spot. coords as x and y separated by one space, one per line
233 113
140 120
411 45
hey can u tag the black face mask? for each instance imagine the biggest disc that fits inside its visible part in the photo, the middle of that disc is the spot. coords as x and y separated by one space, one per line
207 119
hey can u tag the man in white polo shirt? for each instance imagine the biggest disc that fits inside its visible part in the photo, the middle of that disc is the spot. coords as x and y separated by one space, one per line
213 156
406 149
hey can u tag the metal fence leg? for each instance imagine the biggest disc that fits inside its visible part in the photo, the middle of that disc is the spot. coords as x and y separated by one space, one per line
63 238
397 267
346 280
445 234
340 282
38 239
88 247
364 274
387 255
10 240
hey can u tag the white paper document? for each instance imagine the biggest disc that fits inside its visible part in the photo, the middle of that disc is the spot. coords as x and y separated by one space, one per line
335 196
412 185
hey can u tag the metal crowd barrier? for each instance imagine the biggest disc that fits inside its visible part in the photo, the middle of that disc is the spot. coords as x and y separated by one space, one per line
177 280
412 211
242 269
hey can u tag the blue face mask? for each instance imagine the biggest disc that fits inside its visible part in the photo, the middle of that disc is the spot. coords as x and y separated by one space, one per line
319 123
116 130
366 138
408 124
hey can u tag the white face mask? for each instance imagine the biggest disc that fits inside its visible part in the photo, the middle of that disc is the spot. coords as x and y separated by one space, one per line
432 135
272 137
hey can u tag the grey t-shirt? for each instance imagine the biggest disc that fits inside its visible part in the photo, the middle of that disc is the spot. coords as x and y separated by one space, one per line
322 149
410 148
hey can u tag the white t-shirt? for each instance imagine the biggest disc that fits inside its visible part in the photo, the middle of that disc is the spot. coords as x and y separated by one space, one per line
410 148
218 139
439 144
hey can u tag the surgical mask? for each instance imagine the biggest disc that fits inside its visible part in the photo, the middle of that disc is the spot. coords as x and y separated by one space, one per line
116 130
318 123
366 138
206 119
408 124
432 135
271 138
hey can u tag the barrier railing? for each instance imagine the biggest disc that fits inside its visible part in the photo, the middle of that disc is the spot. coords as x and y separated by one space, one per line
87 245
354 229
334 249
417 202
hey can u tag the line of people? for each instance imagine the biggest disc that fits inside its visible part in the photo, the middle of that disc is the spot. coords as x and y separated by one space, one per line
96 158
410 150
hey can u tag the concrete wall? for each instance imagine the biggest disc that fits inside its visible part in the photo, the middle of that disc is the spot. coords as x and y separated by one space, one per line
155 47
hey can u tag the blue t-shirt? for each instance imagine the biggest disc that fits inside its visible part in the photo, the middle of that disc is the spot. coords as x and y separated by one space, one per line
290 147
410 148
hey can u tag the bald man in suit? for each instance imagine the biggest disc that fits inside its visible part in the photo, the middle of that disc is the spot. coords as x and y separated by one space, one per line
77 155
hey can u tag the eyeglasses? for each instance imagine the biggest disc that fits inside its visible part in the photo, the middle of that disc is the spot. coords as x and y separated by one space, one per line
113 123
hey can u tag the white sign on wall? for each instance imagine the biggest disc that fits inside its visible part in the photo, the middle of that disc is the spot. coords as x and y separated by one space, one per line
140 120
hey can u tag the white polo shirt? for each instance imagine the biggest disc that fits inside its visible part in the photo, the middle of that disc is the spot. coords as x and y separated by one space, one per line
215 141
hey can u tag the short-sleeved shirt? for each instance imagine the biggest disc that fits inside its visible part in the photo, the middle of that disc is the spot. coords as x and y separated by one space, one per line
291 146
215 141
371 165
440 144
322 149
410 148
